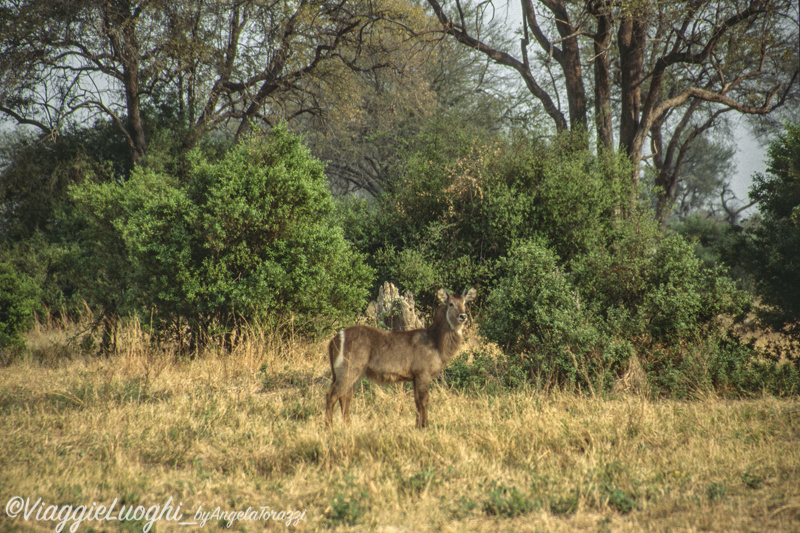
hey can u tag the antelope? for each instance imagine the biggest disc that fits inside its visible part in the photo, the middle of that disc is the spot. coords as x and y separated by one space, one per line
393 356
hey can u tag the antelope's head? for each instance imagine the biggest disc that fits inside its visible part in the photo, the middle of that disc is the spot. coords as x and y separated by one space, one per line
455 307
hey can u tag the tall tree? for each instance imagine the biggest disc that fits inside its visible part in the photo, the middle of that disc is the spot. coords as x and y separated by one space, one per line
771 250
89 57
655 64
407 75
223 63
704 169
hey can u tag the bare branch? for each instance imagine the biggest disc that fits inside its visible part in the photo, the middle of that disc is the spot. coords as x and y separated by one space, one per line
46 130
501 58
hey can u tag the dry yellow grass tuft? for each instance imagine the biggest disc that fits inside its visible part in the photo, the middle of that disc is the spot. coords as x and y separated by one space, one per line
244 430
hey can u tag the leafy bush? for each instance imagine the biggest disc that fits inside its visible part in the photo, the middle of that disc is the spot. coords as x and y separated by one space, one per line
34 183
655 286
466 197
480 371
535 313
243 236
19 299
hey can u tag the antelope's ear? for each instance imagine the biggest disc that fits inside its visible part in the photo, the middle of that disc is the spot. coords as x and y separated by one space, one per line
470 294
442 295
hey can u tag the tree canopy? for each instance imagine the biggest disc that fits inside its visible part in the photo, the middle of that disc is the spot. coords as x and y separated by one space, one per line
773 248
220 63
636 68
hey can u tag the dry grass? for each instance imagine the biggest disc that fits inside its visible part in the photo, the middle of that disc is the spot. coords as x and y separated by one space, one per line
246 430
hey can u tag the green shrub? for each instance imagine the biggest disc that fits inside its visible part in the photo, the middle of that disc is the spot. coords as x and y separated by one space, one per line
536 314
19 299
465 198
246 235
479 371
576 278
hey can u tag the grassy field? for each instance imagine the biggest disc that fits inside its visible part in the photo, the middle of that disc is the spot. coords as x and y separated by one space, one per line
232 432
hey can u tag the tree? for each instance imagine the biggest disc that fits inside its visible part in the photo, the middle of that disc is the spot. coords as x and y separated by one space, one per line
772 250
226 63
60 60
664 62
703 170
375 111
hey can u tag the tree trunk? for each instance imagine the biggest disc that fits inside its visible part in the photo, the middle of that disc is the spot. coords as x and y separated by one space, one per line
570 60
602 78
631 37
667 181
138 144
119 24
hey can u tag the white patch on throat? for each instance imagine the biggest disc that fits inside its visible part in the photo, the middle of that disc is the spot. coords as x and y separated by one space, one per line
456 329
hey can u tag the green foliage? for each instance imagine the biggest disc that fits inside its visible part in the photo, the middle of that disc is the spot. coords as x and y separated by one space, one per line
34 184
467 196
506 502
715 242
19 299
564 504
243 236
772 249
349 504
654 285
484 373
52 267
421 481
577 280
38 220
717 492
619 500
535 313
752 481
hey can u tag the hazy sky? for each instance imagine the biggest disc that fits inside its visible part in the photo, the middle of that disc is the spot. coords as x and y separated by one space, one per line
750 158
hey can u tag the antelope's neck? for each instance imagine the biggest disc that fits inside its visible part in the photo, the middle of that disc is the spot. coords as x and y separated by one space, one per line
448 341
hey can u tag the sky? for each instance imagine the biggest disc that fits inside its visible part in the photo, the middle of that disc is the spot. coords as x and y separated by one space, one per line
750 158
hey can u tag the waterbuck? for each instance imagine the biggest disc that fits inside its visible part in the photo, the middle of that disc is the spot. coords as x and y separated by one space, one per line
392 356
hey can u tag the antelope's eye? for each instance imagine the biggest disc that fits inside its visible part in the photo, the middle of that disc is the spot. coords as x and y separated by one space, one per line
452 304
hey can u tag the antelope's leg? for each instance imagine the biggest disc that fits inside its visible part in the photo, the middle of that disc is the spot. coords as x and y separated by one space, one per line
345 403
421 385
330 400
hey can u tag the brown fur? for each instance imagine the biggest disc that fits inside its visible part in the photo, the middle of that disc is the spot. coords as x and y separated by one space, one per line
388 357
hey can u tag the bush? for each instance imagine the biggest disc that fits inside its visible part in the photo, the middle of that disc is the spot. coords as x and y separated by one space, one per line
19 299
653 285
466 197
536 314
245 235
480 371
